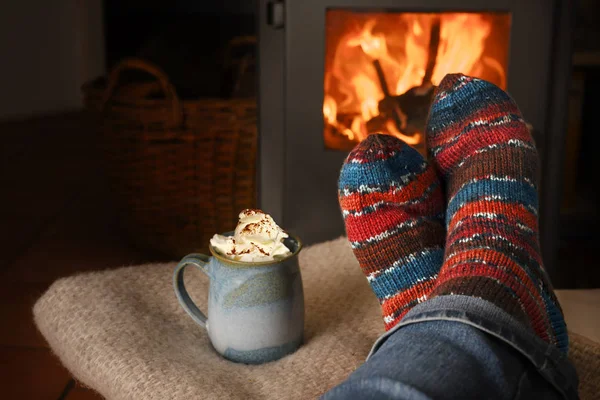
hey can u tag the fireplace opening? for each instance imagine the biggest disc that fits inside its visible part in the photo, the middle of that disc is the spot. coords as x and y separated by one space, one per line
381 68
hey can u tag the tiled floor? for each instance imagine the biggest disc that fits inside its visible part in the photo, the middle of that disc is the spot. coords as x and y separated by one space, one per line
55 222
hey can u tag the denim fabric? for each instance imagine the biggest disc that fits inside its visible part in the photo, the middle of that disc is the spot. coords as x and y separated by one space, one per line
460 347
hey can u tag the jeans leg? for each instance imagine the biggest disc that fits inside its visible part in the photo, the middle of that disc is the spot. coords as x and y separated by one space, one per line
444 360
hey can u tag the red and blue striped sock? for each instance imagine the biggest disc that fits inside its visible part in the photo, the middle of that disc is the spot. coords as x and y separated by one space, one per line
392 204
478 140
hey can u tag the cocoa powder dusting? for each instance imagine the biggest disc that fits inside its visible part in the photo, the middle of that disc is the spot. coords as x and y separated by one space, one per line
251 211
262 251
251 228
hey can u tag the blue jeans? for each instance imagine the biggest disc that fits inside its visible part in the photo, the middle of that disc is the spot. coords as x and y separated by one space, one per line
460 347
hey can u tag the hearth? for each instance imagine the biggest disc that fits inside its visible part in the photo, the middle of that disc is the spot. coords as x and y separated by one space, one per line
331 72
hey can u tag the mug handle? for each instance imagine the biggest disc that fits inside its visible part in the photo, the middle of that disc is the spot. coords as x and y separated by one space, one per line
199 261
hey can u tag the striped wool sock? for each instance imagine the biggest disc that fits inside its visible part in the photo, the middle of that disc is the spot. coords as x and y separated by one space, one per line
480 144
392 204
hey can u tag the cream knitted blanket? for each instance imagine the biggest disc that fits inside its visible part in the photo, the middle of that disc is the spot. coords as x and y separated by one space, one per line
123 333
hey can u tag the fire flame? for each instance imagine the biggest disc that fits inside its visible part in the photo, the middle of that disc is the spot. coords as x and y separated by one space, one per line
401 44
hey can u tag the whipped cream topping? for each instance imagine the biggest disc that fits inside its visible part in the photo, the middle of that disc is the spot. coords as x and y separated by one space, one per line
257 238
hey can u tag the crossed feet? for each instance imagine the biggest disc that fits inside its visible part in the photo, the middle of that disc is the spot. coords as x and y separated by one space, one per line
464 223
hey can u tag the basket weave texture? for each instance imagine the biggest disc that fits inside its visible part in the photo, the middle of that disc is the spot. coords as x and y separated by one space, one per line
180 170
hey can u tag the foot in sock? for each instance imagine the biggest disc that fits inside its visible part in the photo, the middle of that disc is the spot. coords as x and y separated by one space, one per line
478 141
392 203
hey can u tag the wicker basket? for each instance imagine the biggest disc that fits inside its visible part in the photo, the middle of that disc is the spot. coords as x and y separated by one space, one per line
180 170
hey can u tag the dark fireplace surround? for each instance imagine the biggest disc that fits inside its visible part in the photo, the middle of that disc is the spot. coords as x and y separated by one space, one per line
297 175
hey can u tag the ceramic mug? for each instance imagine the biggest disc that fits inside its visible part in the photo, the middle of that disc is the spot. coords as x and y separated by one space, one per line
255 309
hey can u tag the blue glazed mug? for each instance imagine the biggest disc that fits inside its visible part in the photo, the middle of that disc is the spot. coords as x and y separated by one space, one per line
255 309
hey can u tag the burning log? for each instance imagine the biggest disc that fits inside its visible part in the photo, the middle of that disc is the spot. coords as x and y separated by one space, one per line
377 125
434 44
391 109
414 104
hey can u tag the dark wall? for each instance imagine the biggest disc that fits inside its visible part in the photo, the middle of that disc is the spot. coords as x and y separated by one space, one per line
187 39
586 35
131 27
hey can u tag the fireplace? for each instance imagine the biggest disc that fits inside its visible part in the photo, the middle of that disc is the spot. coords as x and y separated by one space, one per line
380 68
331 72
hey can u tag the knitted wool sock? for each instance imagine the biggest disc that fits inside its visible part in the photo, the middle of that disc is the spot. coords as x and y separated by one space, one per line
480 144
392 204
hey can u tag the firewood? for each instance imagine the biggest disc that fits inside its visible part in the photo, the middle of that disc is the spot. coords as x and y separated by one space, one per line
434 44
390 107
415 105
377 124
